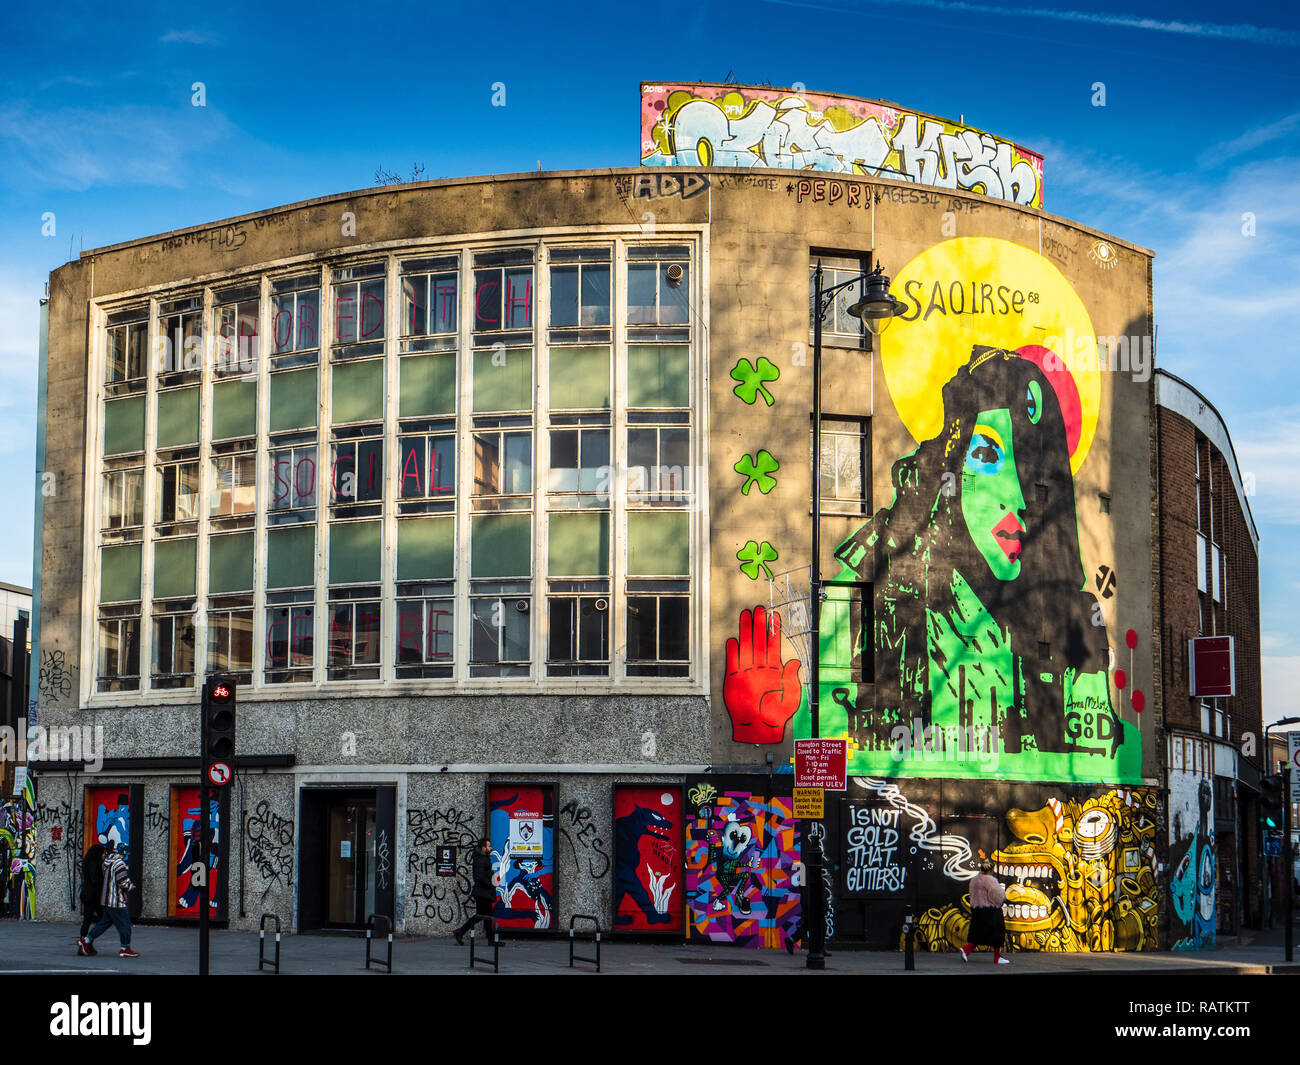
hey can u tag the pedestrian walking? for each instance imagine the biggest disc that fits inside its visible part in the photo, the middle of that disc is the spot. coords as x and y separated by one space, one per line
482 893
986 925
92 883
112 899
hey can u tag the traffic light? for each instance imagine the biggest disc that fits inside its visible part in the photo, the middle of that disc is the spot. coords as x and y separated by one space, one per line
217 731
1270 801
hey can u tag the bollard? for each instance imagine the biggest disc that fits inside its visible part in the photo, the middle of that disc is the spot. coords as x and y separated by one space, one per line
573 935
261 942
490 923
909 948
370 928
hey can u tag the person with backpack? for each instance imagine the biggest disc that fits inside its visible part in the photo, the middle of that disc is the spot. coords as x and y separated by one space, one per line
112 897
92 883
483 894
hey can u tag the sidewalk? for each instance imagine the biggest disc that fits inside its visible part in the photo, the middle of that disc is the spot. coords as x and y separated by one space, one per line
42 947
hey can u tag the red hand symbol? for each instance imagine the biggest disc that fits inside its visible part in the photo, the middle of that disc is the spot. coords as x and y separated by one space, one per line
760 693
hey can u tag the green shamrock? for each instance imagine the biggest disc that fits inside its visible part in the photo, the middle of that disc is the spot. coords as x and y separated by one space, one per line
757 471
754 556
752 378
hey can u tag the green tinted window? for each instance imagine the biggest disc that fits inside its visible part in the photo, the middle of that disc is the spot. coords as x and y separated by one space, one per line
503 379
119 574
501 545
124 425
658 375
234 409
293 400
173 568
579 378
428 385
426 548
658 543
578 545
358 391
291 557
230 563
355 552
178 417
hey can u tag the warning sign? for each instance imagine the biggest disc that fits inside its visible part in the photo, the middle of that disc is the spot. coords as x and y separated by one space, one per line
821 764
809 804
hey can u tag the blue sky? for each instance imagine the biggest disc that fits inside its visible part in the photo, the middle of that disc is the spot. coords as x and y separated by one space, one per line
1201 126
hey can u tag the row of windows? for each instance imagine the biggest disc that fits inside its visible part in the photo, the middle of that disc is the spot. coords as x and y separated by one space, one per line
502 305
500 636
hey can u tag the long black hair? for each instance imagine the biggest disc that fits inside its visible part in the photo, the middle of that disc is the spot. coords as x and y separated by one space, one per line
912 549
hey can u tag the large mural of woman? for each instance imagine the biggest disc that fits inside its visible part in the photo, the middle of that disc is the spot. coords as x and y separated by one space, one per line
990 655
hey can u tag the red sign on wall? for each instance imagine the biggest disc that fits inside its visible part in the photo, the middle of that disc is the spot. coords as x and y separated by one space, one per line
1213 666
821 764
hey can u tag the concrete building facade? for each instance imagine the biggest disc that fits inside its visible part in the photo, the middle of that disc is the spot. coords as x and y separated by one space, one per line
493 495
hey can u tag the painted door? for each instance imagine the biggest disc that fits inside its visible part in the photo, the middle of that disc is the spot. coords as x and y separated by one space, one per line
648 858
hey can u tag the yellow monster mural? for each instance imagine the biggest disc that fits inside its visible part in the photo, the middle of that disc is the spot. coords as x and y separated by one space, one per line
1082 878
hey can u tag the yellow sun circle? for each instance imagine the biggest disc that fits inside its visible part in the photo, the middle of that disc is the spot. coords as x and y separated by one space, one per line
983 290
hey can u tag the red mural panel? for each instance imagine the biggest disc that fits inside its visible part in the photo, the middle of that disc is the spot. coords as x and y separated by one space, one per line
186 828
648 858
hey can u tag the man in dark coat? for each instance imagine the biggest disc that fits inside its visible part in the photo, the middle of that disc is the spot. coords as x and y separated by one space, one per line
483 893
92 882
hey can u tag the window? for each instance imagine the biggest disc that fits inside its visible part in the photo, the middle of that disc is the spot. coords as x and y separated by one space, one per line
429 302
125 341
1216 576
426 631
838 326
503 466
295 320
503 295
843 462
1202 550
236 316
848 615
578 630
177 492
290 637
357 471
179 345
658 459
123 499
354 634
293 477
658 629
230 639
234 481
580 462
500 623
173 647
658 285
359 310
119 649
427 467
579 287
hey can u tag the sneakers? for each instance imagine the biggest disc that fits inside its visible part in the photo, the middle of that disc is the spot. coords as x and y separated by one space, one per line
127 952
789 946
964 956
86 949
1003 961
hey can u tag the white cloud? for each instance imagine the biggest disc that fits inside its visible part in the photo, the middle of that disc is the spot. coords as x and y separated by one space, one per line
1281 696
1268 451
187 37
1249 141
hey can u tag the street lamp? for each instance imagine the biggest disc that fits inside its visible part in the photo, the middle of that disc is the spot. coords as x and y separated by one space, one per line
877 308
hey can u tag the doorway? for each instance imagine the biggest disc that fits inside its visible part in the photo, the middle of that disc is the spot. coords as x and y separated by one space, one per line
346 857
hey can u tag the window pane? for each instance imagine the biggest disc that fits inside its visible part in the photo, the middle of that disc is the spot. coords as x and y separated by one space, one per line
291 557
302 635
427 385
230 563
133 497
503 379
515 641
658 543
580 378
293 400
426 548
642 621
119 574
641 299
501 545
593 630
442 474
563 473
415 305
277 638
674 461
412 459
519 463
595 295
173 568
293 477
595 476
674 309
487 463
234 409
564 296
410 631
340 634
443 307
578 545
124 425
358 391
355 555
485 639
519 298
439 641
674 628
658 375
178 417
562 629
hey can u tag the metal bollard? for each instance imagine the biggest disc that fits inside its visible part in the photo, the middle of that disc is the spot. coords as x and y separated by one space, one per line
261 942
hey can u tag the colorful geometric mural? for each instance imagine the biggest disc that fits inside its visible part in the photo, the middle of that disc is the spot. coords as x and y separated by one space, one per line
741 853
648 858
1192 862
1080 876
987 650
521 827
186 831
108 816
18 851
733 125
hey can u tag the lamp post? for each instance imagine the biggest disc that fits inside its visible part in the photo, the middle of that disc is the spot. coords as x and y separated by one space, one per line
876 309
1288 858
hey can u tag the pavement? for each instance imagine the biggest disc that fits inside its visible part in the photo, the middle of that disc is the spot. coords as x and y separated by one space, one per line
36 947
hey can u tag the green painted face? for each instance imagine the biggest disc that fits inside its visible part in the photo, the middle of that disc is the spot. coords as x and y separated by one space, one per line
992 503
